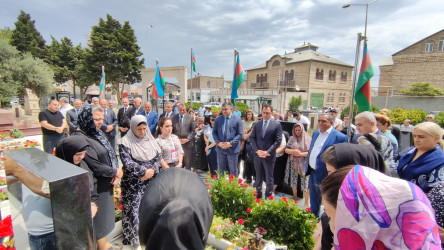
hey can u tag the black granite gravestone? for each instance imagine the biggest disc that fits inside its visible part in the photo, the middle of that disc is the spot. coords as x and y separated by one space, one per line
69 196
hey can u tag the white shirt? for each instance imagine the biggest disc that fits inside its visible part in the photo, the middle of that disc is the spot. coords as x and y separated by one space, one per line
303 120
283 143
65 109
337 122
201 110
317 146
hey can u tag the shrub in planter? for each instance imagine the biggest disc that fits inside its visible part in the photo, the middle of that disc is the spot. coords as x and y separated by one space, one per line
440 119
3 195
229 196
230 231
284 222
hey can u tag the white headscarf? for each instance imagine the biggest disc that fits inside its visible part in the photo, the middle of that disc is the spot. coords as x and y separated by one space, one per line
142 149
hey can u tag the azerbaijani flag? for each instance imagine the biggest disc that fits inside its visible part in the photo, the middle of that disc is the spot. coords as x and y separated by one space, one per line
102 85
193 61
363 96
159 82
238 78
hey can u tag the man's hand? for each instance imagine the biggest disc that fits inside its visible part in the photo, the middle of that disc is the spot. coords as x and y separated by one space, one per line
59 130
262 153
148 174
123 129
183 141
109 128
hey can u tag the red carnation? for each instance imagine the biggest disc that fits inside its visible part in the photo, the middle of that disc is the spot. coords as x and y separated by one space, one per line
239 180
120 207
240 221
308 210
248 210
206 180
231 176
270 197
208 186
214 176
258 200
246 235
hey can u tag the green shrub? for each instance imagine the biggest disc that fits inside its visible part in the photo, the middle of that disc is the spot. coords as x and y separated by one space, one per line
284 222
233 232
398 115
215 110
346 111
439 118
196 105
242 107
17 133
229 196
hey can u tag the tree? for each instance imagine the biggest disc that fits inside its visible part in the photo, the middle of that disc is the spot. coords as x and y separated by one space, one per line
294 104
422 89
20 71
346 111
26 38
115 47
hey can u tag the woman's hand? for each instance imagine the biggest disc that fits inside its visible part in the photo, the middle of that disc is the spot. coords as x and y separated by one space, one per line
206 149
179 165
148 174
119 173
93 209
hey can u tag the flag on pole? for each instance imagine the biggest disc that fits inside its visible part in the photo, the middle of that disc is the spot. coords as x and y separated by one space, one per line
238 78
193 61
102 85
159 82
363 95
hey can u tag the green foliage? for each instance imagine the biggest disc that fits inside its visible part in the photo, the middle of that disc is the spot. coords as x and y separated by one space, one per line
115 47
346 111
439 118
423 89
17 133
284 222
196 105
215 110
233 232
229 197
3 194
242 107
6 33
294 104
26 38
398 115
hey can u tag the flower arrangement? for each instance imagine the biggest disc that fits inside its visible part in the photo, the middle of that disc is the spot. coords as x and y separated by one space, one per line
230 196
231 231
280 218
3 195
2 181
10 135
118 207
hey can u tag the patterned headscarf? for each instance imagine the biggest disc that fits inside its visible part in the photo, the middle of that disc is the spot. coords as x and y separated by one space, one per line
304 143
142 149
87 125
375 211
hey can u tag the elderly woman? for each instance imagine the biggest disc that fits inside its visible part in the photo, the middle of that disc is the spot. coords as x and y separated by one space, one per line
297 148
423 164
101 159
141 157
172 152
370 210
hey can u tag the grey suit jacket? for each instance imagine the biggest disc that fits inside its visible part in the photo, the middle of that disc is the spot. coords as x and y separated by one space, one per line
109 119
72 119
184 130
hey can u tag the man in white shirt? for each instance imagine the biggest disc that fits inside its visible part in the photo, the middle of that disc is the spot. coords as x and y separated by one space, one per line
337 123
316 168
201 110
299 117
64 106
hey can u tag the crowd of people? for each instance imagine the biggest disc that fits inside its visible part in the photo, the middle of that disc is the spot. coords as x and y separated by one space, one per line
351 180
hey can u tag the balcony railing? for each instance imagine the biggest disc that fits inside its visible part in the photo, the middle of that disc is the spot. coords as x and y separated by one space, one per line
289 84
260 85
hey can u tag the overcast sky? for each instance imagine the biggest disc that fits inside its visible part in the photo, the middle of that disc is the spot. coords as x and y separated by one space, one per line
257 28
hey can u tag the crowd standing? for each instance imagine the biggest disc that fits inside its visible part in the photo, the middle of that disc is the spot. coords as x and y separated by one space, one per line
320 158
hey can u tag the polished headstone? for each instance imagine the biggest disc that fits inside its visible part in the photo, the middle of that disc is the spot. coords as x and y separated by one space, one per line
69 195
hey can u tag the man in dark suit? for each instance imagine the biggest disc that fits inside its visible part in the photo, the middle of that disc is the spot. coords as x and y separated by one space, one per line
265 138
168 110
322 138
72 116
109 122
137 109
183 127
227 133
151 116
123 117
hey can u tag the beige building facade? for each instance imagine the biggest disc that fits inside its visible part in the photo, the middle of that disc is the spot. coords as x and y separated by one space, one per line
422 61
321 80
200 88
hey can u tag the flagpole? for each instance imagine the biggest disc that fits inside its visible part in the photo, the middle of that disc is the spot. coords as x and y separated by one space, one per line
233 101
191 78
101 94
350 115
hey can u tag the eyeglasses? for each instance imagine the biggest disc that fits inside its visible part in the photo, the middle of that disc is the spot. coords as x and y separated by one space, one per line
428 118
322 121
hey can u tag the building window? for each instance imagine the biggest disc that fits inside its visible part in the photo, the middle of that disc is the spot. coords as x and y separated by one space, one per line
286 77
275 63
291 77
429 47
330 97
341 97
319 74
266 77
343 76
257 78
208 84
332 75
441 45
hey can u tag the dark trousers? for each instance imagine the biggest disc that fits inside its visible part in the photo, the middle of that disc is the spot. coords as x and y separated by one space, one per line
264 171
50 142
187 154
228 163
42 242
315 193
212 160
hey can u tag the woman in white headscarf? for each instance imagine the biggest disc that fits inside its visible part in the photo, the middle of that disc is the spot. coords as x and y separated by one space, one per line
141 157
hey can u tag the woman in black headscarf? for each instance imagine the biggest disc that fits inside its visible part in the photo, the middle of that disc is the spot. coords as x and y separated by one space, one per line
101 159
175 212
339 156
141 157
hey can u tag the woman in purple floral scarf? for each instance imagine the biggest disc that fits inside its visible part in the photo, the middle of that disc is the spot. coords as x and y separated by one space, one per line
297 148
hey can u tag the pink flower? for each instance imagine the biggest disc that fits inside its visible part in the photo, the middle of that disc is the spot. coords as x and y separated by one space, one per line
270 197
231 223
240 221
206 181
258 200
308 210
208 186
231 176
239 180
248 210
295 202
241 184
120 207
214 176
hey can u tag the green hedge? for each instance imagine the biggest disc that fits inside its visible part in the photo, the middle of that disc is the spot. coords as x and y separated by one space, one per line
439 118
398 115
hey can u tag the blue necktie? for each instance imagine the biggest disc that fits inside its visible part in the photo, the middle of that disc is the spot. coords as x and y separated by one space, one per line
264 129
226 128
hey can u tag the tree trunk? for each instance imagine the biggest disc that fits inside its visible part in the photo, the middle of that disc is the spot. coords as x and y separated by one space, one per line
116 87
74 88
121 92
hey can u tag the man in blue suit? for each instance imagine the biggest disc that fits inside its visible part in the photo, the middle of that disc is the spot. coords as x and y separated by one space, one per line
227 133
265 138
151 116
322 138
109 122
